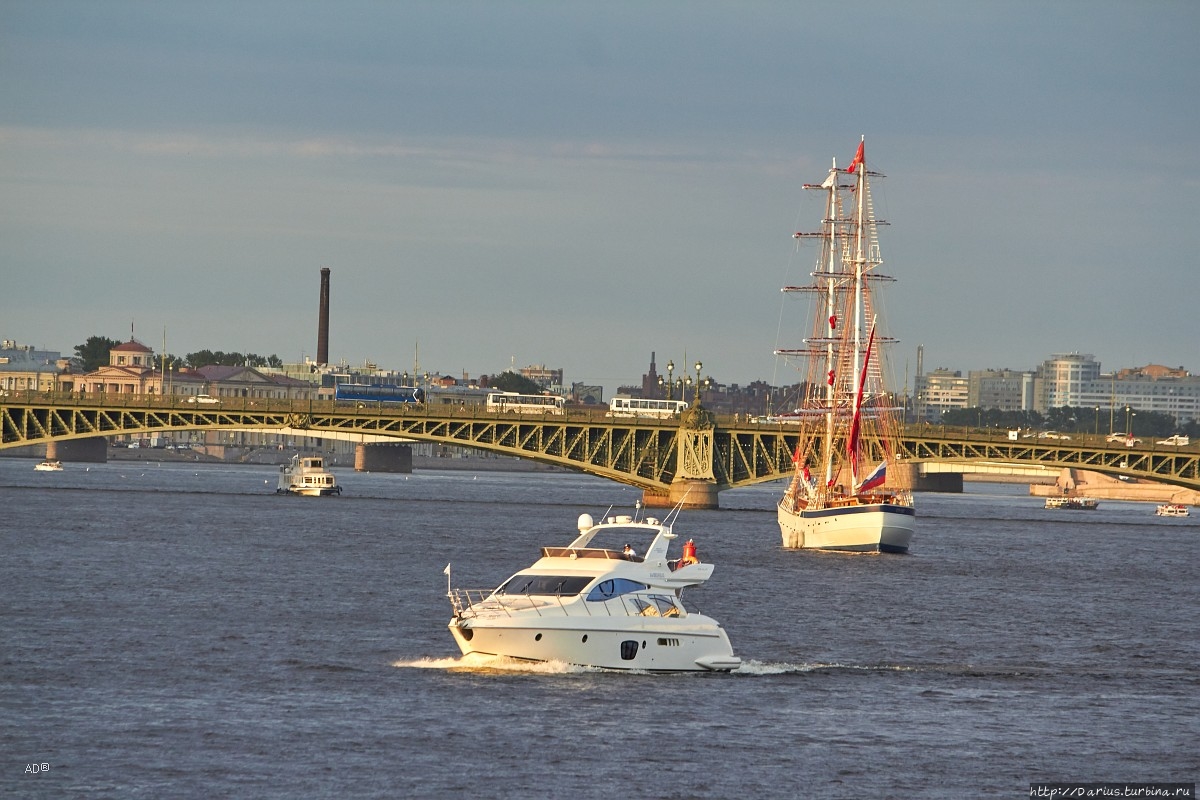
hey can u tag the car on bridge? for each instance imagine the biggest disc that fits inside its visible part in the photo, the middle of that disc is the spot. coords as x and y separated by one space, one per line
203 398
1178 440
1127 439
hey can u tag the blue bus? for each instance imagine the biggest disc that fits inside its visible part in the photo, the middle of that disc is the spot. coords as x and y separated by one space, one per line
378 393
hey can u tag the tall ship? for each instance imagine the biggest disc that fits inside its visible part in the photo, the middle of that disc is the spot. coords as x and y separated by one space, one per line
847 420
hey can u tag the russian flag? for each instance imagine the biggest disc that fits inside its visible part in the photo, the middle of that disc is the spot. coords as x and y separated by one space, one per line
876 478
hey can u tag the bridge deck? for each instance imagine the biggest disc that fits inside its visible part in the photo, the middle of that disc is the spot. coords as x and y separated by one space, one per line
639 452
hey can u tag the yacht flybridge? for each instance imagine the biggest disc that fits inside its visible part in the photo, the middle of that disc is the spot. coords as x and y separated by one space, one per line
597 603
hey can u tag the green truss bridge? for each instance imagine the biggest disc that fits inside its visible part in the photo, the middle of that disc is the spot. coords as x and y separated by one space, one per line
688 460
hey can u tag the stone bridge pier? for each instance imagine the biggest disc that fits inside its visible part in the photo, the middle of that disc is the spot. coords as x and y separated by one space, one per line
695 485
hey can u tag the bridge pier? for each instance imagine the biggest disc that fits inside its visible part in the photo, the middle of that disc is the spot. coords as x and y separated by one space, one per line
93 450
691 493
383 458
909 476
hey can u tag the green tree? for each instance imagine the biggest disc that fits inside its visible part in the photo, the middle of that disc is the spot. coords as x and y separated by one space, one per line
93 353
204 358
510 381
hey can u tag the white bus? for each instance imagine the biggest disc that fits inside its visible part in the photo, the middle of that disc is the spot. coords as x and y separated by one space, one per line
637 407
514 403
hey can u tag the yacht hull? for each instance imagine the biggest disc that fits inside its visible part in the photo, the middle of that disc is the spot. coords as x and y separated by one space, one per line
651 647
877 528
309 491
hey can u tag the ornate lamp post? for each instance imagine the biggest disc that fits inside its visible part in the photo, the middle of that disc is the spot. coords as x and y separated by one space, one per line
670 382
699 367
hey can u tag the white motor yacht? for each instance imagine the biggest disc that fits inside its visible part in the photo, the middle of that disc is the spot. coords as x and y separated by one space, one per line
1172 510
306 475
49 466
594 604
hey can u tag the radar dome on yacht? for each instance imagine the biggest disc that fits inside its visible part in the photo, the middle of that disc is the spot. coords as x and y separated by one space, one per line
585 522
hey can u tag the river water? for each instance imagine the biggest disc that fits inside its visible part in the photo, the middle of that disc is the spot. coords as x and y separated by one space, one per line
181 631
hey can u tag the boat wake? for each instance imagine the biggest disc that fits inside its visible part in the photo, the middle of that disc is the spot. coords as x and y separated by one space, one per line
485 664
752 668
479 664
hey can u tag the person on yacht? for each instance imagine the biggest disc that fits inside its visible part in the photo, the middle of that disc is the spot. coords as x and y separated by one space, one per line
629 551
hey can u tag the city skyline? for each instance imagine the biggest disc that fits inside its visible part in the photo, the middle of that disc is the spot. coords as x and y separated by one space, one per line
512 184
682 373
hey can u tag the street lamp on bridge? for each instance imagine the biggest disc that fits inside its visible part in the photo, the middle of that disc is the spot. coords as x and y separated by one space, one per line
699 367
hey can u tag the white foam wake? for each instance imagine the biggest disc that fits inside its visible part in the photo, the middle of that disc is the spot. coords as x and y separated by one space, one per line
477 662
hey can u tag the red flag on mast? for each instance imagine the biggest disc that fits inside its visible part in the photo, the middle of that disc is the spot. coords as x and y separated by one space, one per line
856 421
858 157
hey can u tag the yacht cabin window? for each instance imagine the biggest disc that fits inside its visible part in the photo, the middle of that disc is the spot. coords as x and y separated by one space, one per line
614 587
546 584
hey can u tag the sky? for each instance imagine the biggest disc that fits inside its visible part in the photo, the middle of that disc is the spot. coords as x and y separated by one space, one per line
580 184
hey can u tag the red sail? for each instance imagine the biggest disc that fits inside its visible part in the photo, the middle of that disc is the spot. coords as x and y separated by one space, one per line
856 422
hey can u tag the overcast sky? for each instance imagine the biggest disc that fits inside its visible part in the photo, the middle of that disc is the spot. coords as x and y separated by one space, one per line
579 184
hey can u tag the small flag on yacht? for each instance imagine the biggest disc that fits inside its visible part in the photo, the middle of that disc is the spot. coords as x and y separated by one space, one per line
876 478
446 571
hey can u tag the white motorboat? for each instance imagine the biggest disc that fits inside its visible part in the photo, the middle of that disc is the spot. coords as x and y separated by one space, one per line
1172 510
849 421
49 466
593 604
1073 503
306 475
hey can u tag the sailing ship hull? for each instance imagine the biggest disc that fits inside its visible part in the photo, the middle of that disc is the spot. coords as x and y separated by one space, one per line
876 528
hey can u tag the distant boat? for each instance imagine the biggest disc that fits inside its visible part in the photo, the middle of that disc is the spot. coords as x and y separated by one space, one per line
1172 510
848 421
306 475
1073 503
49 466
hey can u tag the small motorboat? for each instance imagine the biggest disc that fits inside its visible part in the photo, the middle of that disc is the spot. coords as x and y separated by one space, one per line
1172 510
306 475
49 466
597 604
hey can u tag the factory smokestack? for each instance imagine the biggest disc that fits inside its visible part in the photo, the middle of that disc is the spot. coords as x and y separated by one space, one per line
323 320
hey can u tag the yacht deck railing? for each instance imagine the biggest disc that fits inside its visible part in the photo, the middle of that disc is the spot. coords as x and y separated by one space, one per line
484 603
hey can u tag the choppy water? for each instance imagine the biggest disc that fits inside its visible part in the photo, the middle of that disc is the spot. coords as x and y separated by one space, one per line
181 631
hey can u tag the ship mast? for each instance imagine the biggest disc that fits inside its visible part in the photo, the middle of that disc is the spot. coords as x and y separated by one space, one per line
832 215
859 208
859 261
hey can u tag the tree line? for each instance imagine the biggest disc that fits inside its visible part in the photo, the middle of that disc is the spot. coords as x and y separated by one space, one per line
93 354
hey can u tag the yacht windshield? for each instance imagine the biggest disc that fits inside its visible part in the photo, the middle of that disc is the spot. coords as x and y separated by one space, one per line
546 584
